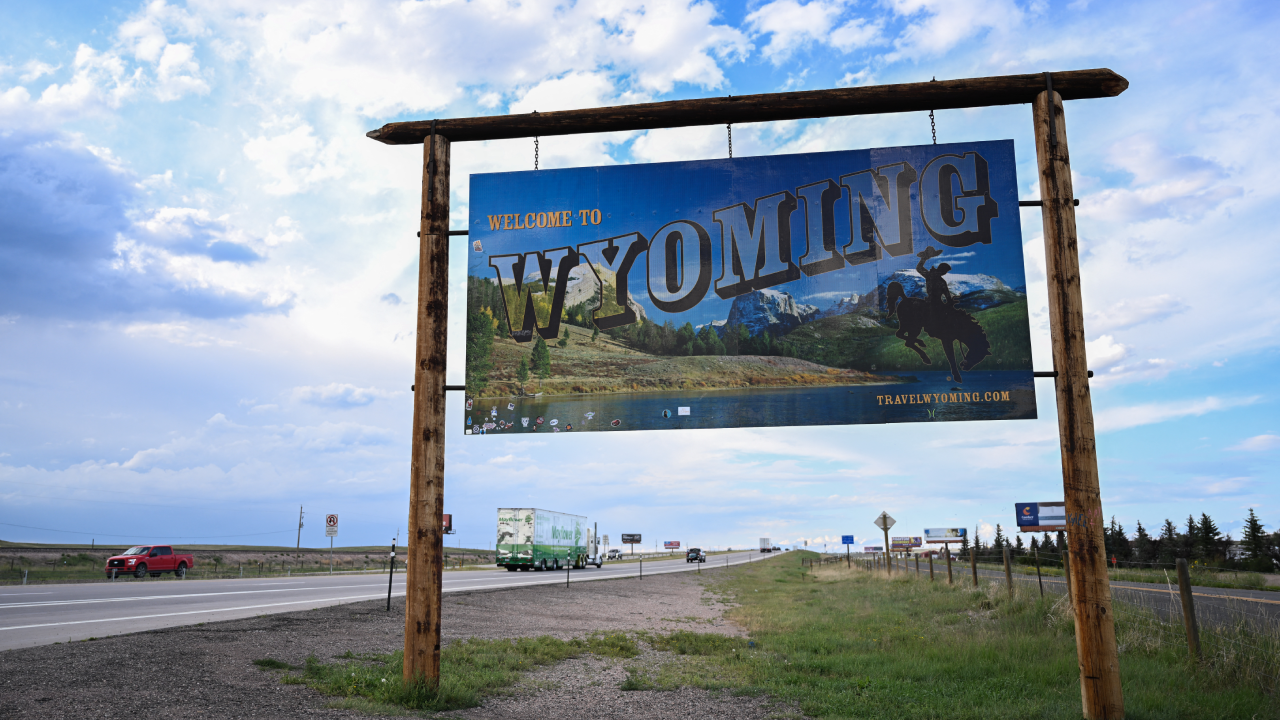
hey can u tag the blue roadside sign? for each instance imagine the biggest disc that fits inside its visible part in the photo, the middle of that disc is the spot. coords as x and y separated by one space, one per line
846 539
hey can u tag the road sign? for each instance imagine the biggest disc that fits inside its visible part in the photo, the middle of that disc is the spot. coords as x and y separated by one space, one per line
873 549
330 525
1041 517
448 523
846 540
884 522
630 538
606 541
945 535
671 544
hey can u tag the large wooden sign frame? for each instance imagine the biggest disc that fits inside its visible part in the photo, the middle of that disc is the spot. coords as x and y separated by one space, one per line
1095 631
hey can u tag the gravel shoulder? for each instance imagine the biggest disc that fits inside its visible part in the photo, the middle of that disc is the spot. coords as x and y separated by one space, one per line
207 671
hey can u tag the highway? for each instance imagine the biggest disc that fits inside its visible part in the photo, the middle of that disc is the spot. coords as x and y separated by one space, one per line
44 614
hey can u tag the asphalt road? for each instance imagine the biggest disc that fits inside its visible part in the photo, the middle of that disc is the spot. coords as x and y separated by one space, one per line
45 614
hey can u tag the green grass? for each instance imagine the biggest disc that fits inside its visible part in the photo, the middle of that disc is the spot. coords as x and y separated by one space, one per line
469 670
852 644
1200 577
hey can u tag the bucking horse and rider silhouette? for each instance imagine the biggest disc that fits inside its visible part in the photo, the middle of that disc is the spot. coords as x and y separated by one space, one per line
938 316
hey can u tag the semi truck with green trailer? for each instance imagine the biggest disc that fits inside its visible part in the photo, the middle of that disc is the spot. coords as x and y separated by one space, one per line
533 539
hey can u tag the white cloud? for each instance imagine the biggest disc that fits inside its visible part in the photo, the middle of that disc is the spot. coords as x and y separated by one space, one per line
1123 418
339 395
936 26
177 333
1128 313
1258 443
34 70
293 159
1105 352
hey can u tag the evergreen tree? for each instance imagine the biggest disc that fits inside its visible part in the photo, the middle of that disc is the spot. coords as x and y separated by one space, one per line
1143 547
595 333
1254 541
540 360
1048 544
1189 544
1209 538
1018 548
1168 542
964 543
522 373
479 349
1117 541
999 542
1035 544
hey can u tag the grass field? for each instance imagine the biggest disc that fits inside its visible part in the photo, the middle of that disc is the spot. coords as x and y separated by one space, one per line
847 643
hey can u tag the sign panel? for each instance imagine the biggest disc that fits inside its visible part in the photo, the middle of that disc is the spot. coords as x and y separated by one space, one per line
945 535
846 540
671 544
884 522
873 549
330 525
1041 517
864 286
448 522
629 539
904 544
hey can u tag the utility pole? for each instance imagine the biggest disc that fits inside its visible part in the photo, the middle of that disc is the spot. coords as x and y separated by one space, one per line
299 547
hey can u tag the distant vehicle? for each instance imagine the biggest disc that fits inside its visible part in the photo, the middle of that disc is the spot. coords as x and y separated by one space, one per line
529 538
695 555
766 545
614 554
153 560
777 549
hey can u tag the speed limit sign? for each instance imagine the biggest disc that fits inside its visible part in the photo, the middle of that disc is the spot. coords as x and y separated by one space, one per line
330 525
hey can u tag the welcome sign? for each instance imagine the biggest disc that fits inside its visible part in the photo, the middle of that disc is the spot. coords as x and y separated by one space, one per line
866 286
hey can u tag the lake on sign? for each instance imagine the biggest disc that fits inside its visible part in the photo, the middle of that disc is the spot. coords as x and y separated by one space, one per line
836 405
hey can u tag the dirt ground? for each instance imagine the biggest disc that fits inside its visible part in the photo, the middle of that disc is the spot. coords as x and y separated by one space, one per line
207 671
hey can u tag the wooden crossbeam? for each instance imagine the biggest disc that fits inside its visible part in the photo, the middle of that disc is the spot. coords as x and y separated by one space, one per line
870 100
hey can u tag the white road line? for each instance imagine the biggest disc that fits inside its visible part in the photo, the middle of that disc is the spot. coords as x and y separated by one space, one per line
88 601
25 594
189 612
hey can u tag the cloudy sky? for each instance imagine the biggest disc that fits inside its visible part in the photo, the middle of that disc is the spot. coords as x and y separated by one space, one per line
208 273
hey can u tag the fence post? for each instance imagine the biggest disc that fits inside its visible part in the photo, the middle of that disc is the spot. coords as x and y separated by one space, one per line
917 566
1036 551
973 563
930 567
1008 574
1188 609
24 577
950 581
1066 570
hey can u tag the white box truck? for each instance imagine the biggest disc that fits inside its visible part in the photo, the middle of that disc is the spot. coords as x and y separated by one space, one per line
766 545
529 538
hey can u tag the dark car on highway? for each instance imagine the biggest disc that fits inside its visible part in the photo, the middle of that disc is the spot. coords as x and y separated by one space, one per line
695 555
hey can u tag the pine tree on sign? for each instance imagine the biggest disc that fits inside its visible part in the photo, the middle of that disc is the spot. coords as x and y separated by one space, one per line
522 373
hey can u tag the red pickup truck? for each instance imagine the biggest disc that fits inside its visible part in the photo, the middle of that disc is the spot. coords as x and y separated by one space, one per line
142 560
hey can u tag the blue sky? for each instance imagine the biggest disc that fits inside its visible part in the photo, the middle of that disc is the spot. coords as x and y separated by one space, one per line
208 273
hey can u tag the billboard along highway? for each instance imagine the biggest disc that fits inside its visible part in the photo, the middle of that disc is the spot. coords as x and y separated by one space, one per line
863 286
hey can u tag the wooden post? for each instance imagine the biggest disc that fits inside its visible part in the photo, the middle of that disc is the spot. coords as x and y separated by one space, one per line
973 563
426 475
1095 628
950 580
930 568
887 563
1188 609
1036 551
1008 574
917 566
1066 572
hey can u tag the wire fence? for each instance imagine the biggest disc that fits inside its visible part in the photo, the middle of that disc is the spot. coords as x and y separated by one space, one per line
1237 637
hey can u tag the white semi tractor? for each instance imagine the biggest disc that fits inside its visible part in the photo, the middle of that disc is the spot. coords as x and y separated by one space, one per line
533 539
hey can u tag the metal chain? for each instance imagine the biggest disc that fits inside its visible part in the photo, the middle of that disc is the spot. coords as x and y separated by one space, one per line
729 127
933 126
535 152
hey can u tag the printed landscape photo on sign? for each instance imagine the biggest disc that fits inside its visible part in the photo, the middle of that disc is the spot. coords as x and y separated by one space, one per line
864 286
